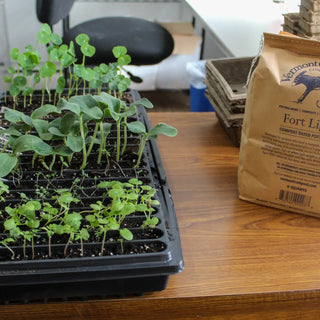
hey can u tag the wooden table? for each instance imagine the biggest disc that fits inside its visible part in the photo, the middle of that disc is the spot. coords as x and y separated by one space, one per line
242 261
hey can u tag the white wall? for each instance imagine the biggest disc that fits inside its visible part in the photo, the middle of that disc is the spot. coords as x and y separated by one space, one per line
238 23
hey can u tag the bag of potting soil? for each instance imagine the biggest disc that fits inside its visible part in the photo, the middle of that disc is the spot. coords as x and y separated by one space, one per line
280 145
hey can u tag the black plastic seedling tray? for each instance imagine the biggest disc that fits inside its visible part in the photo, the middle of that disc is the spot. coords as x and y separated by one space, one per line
120 274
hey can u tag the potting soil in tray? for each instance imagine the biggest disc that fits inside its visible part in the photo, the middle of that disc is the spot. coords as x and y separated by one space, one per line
80 271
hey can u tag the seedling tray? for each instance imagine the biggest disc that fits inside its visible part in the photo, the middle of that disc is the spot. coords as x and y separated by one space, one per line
122 270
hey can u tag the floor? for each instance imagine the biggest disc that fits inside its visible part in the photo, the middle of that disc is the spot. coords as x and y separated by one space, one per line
168 100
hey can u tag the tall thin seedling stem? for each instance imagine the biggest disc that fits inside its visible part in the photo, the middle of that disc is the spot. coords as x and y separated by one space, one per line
84 152
102 143
93 138
124 137
141 147
118 141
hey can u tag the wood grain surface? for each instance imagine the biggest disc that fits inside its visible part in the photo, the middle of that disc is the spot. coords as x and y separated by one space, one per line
242 260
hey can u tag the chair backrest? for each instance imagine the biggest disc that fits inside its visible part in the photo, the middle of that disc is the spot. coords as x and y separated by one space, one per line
52 11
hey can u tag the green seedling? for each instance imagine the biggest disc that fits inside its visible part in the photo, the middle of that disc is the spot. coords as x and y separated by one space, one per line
117 110
152 134
126 234
46 72
28 218
28 61
14 55
23 222
5 242
66 57
7 80
87 50
3 189
49 215
23 143
120 82
71 224
52 40
147 206
141 102
85 108
82 235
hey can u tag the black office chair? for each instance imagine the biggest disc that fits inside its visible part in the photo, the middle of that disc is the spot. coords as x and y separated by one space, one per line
147 42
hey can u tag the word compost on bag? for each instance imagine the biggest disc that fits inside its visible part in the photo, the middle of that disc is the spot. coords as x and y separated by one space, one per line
280 143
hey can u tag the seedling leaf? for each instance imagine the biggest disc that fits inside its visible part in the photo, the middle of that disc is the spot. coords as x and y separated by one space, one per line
126 234
74 143
14 54
8 162
144 102
136 127
44 111
48 69
31 143
88 50
163 128
82 39
119 51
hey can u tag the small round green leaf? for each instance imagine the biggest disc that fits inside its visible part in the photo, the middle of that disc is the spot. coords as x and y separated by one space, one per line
7 79
43 37
55 54
27 91
36 78
87 74
88 50
126 234
48 70
119 51
56 39
11 70
46 28
61 82
10 224
14 90
14 53
82 39
67 59
124 60
20 81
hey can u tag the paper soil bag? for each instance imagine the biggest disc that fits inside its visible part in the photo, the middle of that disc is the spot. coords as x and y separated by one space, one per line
280 143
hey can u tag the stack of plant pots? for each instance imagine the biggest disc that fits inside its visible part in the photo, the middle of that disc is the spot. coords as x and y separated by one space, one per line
306 22
291 22
226 90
